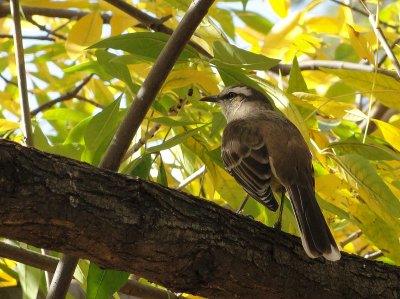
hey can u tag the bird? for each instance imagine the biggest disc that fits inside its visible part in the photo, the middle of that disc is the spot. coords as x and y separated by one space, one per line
265 152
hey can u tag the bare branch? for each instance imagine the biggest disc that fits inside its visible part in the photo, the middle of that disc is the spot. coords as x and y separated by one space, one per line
151 22
150 134
331 64
360 11
382 39
49 264
68 96
44 28
29 37
62 277
26 125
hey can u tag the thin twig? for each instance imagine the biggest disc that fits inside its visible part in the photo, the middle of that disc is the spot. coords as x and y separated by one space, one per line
332 64
351 238
382 39
151 22
373 255
26 125
49 264
68 96
44 28
199 172
150 133
8 81
29 37
73 14
360 11
384 56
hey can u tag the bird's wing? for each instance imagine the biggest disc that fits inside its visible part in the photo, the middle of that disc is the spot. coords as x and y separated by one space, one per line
245 156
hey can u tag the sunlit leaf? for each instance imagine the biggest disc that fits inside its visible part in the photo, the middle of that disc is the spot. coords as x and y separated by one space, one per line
102 284
6 125
281 8
386 89
64 114
296 80
175 140
360 44
390 133
233 56
254 21
368 151
144 44
362 172
84 33
102 125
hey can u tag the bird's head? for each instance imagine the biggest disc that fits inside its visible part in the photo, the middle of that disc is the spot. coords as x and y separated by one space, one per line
239 97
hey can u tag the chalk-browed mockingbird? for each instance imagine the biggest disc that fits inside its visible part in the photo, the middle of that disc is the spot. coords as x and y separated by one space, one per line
263 150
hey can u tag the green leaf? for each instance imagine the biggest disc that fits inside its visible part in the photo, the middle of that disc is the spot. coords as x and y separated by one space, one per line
146 45
116 70
368 151
140 167
254 21
162 174
231 55
102 125
65 114
174 121
178 139
296 80
76 135
40 140
233 76
102 284
364 174
218 122
29 279
386 89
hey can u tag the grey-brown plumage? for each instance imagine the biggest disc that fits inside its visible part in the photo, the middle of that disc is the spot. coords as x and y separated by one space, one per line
262 150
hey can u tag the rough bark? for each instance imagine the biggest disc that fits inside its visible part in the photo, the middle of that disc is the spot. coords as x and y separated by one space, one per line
182 242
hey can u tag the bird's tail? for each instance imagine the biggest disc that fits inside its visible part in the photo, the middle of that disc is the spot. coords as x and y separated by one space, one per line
315 235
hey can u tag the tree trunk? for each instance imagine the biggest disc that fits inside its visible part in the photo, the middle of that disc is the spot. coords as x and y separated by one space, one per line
171 238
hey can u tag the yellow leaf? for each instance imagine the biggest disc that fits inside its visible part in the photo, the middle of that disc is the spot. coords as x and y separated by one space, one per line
119 23
5 279
6 125
84 33
204 79
282 34
323 24
389 132
280 7
360 44
325 105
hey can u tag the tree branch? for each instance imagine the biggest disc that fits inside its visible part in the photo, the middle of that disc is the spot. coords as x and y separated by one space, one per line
331 64
49 264
26 124
152 84
169 237
68 96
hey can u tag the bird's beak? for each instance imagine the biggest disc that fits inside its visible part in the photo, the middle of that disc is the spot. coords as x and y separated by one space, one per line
211 99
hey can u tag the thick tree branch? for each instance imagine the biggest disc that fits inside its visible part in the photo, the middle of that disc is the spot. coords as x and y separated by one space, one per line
171 238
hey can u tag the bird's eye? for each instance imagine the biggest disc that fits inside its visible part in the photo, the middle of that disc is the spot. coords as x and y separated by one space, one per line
231 95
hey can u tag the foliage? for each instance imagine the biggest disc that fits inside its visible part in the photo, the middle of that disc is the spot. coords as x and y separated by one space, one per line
356 168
